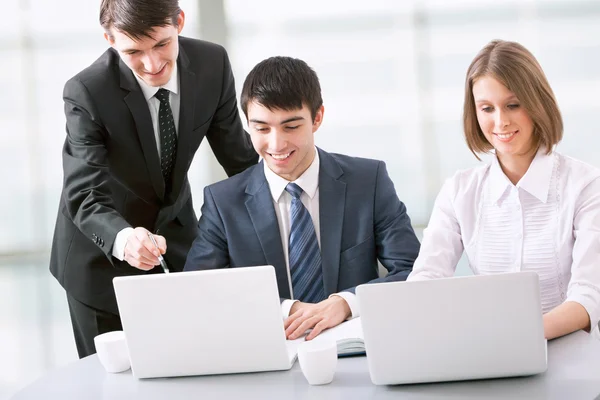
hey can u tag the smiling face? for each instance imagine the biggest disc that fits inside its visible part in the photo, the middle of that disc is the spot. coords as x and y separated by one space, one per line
150 58
504 122
284 139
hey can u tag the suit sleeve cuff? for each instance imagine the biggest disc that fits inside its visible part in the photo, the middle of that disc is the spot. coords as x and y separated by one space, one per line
118 250
352 303
286 306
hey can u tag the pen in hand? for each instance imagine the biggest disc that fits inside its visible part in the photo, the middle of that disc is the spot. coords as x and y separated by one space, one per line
163 264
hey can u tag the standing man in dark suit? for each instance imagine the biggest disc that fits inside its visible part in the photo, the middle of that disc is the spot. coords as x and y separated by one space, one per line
321 219
135 119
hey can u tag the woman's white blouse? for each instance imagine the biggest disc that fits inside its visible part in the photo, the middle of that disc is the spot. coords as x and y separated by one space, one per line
548 223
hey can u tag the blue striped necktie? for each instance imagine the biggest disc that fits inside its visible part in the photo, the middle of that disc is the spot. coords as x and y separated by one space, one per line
305 255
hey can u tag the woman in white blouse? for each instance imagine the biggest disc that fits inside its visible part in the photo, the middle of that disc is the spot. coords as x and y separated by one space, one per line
531 209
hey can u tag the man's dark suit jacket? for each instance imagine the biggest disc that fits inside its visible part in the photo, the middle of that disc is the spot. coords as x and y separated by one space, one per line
111 165
361 220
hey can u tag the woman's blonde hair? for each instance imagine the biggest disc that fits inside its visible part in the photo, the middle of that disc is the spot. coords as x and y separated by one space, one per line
516 68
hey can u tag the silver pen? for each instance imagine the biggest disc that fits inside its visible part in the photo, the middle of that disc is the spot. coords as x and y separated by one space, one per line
163 264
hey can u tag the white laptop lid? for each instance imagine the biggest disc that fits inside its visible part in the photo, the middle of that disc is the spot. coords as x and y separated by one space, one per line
203 322
453 329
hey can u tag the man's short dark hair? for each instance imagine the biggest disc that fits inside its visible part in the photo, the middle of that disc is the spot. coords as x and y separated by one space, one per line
282 83
137 18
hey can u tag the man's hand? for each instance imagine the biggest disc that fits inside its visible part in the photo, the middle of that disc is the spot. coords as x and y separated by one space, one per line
320 316
140 252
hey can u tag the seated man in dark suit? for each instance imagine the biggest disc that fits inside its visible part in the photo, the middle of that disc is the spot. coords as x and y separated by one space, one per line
321 219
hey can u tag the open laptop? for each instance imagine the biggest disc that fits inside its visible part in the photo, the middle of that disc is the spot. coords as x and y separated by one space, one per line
451 329
204 322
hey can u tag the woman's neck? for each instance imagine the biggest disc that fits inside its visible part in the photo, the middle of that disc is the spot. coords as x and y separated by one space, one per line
515 166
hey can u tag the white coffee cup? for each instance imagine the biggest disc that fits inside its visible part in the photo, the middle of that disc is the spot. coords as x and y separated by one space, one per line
112 351
318 360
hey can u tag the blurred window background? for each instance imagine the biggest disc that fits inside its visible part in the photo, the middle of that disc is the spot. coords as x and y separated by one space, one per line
392 74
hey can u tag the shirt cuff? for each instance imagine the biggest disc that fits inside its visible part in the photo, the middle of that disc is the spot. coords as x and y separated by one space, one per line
352 303
118 250
286 306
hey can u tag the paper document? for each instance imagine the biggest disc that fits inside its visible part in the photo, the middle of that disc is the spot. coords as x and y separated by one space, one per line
348 336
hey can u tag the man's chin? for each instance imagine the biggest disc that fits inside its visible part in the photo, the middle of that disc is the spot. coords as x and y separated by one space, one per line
156 80
279 170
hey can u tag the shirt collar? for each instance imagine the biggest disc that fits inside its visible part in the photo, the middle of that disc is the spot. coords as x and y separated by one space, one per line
499 183
308 181
150 91
536 180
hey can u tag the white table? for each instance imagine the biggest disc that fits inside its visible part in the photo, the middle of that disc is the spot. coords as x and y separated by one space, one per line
573 373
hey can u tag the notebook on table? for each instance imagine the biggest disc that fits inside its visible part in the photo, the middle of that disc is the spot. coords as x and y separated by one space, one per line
450 329
204 322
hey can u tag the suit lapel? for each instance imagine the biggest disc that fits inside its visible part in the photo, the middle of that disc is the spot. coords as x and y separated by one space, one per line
141 115
332 198
259 204
187 89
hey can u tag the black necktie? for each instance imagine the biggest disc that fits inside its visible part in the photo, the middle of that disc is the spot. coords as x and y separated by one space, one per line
168 137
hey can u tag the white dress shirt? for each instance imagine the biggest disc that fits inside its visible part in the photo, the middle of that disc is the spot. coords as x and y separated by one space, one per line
548 223
172 86
282 201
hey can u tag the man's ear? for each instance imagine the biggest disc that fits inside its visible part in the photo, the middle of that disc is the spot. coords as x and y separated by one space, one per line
180 21
109 39
318 118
